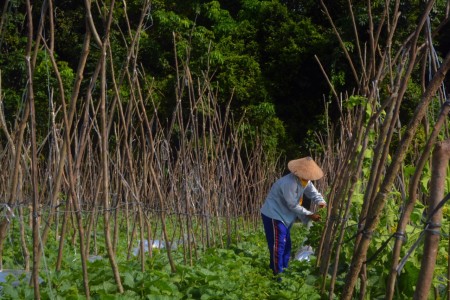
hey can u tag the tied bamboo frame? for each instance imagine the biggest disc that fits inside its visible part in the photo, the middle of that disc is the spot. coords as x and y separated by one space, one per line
381 66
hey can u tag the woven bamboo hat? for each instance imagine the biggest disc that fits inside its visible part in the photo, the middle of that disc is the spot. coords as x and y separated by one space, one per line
305 168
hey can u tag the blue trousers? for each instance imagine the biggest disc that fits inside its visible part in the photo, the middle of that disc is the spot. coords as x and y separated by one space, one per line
279 242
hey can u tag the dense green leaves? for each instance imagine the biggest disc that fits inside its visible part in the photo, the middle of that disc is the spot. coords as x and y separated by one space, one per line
254 51
239 272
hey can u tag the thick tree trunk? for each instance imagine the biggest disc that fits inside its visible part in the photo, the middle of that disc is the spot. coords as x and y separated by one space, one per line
432 235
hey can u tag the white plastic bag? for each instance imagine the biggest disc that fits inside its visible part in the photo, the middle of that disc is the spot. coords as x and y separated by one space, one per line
304 253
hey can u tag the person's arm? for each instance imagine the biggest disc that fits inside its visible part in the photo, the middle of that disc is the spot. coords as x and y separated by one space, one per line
292 202
312 193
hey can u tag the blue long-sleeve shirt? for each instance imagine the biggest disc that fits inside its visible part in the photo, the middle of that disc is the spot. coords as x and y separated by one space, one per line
282 202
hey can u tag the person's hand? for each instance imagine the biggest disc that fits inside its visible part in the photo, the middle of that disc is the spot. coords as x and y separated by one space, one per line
314 217
322 204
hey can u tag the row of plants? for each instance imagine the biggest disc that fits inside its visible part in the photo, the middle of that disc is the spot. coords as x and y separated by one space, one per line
237 271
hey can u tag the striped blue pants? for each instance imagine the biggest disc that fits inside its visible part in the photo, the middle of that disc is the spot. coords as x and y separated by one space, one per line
279 242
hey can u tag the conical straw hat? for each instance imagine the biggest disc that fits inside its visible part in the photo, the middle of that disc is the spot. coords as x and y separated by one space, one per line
305 168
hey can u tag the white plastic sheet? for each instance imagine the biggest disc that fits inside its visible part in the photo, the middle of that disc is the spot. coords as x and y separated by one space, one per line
17 276
156 244
304 253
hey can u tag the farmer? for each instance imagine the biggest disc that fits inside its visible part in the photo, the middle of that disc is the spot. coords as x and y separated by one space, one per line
283 206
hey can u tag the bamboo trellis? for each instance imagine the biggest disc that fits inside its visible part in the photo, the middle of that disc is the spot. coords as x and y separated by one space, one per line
110 158
383 65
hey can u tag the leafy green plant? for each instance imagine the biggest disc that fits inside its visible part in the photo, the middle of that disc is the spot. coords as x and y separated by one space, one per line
238 272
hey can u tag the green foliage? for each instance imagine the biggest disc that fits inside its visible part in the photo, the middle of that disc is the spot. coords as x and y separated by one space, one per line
220 17
355 100
238 272
245 49
379 266
46 90
261 122
311 142
254 52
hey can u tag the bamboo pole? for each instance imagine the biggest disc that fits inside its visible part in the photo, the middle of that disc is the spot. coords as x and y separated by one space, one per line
441 156
414 182
57 177
34 164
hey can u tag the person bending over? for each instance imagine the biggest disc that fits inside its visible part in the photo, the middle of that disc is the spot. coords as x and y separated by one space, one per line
283 205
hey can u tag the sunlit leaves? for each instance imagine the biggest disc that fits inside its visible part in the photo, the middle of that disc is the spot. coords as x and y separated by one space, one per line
262 121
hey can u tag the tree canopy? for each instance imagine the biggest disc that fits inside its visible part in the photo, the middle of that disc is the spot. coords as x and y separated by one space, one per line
261 54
